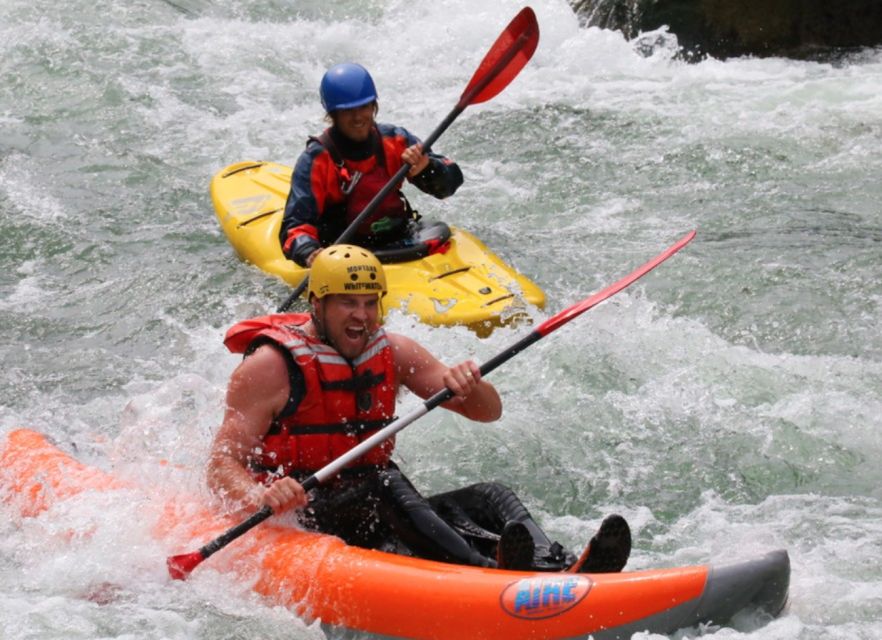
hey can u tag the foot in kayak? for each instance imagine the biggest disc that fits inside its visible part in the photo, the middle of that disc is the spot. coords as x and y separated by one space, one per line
608 550
516 548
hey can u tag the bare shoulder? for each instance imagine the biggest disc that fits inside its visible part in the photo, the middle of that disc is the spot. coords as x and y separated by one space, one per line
398 341
407 351
414 364
258 390
264 369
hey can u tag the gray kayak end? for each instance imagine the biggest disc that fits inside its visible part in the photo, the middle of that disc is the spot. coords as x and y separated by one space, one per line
760 585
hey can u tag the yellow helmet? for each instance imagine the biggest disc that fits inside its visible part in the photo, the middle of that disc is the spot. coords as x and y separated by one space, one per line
345 268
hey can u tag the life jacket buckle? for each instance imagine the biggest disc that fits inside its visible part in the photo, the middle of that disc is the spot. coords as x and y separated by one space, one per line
347 181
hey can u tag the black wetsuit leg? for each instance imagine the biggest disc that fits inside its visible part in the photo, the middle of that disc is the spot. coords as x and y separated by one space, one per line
347 508
412 519
490 506
379 507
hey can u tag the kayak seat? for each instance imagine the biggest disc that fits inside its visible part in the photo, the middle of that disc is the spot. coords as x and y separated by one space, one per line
420 239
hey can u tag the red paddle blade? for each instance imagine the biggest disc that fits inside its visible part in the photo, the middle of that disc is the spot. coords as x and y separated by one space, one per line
512 50
179 567
568 314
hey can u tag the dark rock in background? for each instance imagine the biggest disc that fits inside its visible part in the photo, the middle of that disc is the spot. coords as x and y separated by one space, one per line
726 28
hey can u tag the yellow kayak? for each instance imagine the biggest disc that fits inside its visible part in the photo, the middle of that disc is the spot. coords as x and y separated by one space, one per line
443 275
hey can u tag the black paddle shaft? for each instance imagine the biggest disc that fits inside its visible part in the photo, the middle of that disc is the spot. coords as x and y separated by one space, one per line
464 101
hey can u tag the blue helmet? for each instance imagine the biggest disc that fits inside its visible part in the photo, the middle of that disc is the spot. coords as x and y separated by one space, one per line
345 86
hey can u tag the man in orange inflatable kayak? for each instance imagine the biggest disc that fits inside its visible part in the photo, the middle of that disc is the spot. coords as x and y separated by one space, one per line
312 386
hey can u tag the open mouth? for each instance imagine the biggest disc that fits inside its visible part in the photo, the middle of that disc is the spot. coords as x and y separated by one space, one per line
354 333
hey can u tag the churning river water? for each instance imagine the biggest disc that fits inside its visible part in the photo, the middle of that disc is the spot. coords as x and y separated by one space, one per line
727 404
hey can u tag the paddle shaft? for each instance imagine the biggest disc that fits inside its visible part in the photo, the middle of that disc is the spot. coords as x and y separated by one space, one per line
180 566
509 54
465 100
556 321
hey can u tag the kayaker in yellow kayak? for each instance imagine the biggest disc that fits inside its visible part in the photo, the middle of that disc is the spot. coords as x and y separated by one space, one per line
312 386
342 169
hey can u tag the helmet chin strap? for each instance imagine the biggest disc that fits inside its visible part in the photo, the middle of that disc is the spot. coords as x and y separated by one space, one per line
320 327
320 330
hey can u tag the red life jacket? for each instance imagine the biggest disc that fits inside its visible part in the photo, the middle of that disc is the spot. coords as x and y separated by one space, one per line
361 180
345 402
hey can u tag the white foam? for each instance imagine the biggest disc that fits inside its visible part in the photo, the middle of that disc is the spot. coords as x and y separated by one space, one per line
31 197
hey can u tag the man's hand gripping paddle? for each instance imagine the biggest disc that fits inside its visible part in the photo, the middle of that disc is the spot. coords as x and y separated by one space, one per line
509 54
180 566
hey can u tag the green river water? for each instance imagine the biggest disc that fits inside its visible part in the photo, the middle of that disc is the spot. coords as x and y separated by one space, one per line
728 404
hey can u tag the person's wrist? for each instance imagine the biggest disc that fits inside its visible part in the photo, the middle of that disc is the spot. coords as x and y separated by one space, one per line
417 169
304 251
253 497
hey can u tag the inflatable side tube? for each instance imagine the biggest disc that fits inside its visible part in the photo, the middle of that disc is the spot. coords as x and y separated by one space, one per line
760 585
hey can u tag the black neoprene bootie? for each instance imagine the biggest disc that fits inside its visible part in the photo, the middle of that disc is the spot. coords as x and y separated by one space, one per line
516 547
608 550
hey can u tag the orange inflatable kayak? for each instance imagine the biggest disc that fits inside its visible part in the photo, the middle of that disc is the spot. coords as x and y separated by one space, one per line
320 577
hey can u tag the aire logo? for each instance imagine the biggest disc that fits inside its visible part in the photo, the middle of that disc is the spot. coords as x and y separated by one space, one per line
544 597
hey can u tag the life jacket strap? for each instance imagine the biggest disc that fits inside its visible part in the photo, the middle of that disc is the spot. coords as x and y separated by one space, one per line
361 382
346 428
